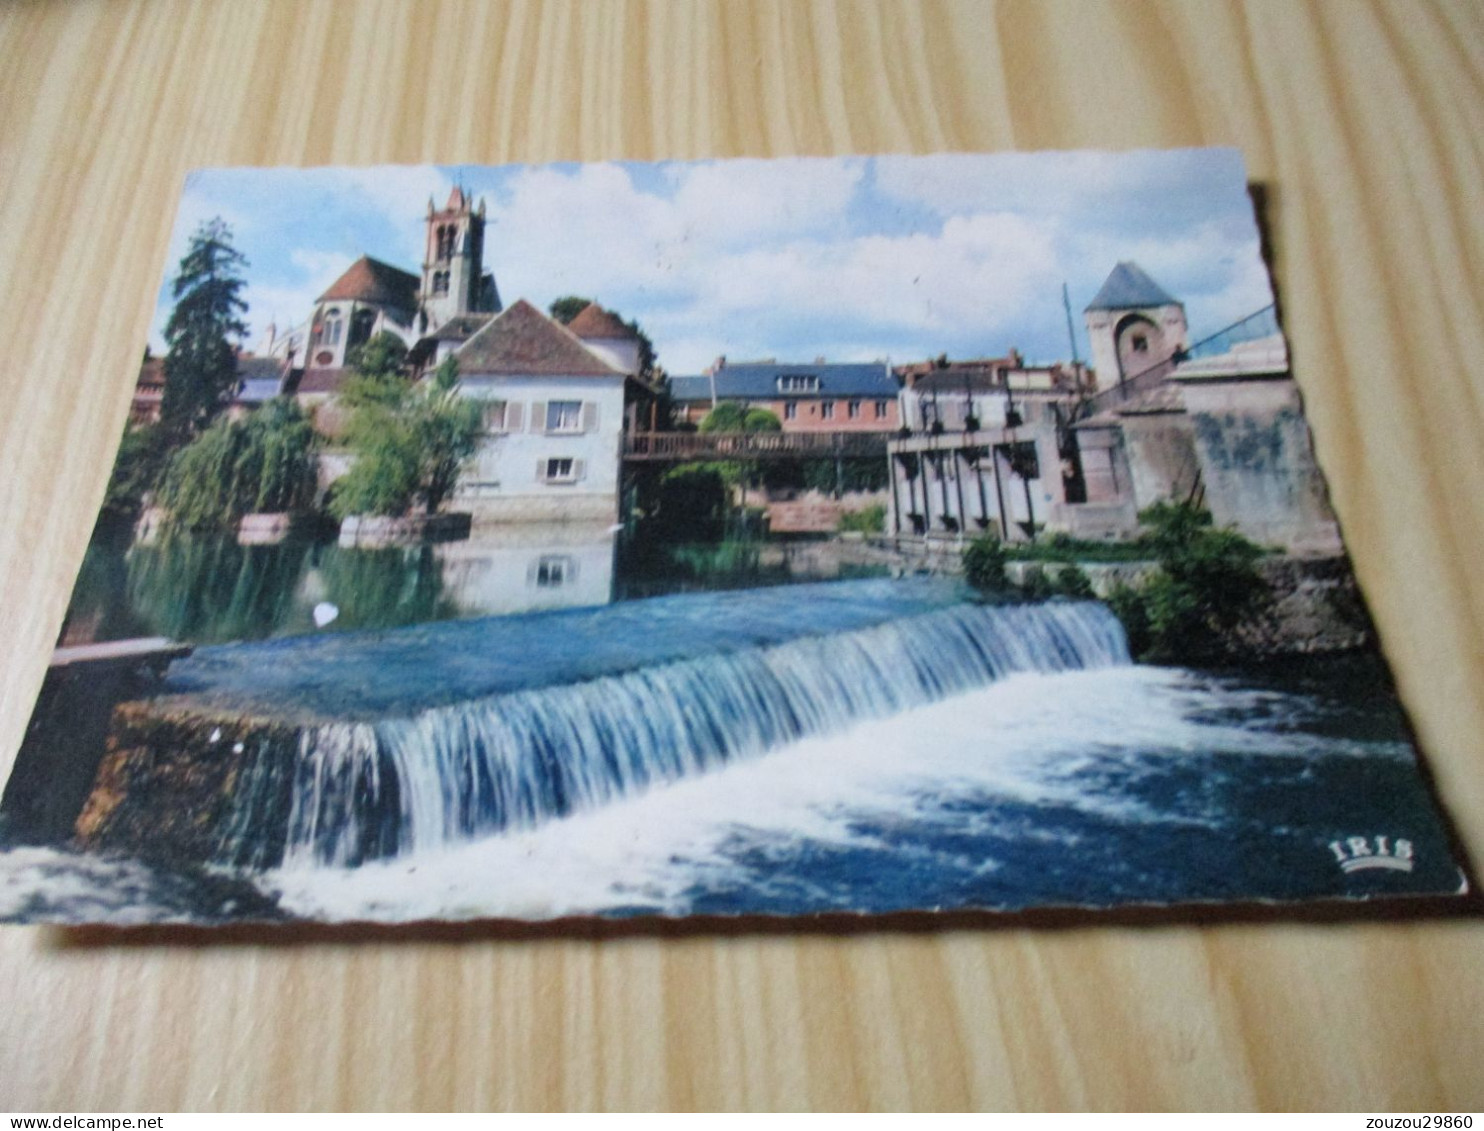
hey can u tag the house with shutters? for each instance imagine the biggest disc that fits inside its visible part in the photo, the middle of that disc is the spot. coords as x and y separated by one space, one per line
555 409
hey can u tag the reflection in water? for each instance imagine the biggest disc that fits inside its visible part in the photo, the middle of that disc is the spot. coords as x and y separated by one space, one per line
653 568
212 589
203 589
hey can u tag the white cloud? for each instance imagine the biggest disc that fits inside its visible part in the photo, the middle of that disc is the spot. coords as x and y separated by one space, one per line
796 258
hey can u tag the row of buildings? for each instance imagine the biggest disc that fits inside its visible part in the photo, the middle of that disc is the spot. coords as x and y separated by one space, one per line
989 444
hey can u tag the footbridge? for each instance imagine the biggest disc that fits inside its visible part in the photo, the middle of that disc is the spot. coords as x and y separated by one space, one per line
754 447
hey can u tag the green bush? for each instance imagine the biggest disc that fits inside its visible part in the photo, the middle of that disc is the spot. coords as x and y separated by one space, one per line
1208 584
1036 585
1128 606
142 458
870 520
984 563
1073 581
691 502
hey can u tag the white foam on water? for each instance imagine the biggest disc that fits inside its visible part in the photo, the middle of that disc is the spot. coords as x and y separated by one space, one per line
1023 739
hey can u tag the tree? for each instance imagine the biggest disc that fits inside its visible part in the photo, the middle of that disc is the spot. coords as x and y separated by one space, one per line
263 463
203 332
569 307
378 374
141 458
448 428
730 416
411 442
1207 586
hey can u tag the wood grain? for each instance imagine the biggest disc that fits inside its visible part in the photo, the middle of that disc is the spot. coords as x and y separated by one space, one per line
1365 124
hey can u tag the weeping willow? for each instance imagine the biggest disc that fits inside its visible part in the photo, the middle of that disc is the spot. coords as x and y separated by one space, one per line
262 463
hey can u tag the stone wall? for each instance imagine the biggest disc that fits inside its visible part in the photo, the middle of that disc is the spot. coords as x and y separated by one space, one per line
1257 463
1316 607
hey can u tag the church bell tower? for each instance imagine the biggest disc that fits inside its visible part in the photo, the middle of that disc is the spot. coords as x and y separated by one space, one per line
454 281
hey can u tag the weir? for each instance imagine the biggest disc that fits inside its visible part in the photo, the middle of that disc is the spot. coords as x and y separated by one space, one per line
717 678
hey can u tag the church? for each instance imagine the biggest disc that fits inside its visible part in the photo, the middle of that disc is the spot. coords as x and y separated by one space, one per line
556 398
432 312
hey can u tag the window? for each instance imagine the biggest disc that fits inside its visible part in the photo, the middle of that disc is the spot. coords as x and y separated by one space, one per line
1140 343
827 410
440 282
332 327
560 470
853 410
798 383
554 570
564 416
791 410
494 416
881 410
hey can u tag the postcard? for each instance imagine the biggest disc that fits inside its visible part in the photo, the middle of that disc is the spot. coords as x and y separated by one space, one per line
790 537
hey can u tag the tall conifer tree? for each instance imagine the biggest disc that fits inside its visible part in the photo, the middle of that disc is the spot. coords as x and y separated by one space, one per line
203 333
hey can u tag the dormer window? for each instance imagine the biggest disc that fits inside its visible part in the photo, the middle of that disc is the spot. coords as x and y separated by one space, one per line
798 383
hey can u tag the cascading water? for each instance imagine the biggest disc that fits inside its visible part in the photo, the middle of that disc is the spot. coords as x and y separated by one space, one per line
361 790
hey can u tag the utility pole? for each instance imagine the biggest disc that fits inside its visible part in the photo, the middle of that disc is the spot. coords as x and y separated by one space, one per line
1066 302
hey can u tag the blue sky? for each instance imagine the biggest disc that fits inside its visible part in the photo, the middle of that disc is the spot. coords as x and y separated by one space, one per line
851 259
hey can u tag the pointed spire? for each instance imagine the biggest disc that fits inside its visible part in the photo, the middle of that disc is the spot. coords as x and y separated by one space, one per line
1128 287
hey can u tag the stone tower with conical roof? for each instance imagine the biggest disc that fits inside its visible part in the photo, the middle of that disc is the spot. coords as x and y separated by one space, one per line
1133 324
454 281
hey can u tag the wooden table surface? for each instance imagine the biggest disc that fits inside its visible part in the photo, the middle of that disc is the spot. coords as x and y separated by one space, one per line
1364 122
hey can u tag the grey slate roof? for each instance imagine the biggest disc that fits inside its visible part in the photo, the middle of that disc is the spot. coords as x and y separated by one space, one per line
259 378
758 381
258 390
1129 288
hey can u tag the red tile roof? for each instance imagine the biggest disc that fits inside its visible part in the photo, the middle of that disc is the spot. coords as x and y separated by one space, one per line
370 280
593 321
151 373
524 342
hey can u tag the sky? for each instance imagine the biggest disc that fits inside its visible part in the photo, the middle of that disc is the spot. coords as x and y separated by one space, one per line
850 259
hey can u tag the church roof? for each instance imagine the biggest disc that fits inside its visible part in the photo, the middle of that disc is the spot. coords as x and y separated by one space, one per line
523 342
461 327
371 280
1128 287
593 322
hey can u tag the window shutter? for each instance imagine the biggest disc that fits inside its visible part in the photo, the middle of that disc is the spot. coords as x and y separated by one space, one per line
589 416
540 471
538 416
579 467
513 416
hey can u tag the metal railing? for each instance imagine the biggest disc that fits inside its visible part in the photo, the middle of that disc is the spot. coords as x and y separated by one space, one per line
1259 324
682 447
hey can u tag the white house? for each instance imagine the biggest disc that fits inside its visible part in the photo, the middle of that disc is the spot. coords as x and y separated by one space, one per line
554 409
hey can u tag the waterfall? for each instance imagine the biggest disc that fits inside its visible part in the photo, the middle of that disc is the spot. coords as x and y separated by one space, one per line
371 789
